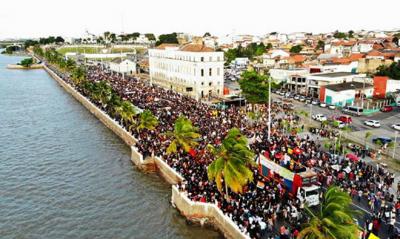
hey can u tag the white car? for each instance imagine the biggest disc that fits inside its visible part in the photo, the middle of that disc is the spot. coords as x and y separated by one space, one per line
373 123
314 102
340 124
332 107
322 105
396 126
319 117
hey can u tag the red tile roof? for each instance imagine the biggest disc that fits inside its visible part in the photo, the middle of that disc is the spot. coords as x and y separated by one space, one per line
196 48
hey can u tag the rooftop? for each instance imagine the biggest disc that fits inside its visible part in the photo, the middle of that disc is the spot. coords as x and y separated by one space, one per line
348 86
334 74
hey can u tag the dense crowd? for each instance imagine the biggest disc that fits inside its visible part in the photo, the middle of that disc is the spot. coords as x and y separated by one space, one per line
265 209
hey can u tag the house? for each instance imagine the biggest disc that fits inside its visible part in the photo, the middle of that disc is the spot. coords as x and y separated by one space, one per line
384 86
315 81
192 69
125 66
343 94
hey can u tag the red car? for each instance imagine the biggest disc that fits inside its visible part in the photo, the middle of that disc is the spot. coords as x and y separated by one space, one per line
387 108
345 119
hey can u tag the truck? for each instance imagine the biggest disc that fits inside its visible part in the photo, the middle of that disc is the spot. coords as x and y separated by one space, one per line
302 184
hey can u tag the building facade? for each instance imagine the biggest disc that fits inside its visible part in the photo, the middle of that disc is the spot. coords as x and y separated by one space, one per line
192 69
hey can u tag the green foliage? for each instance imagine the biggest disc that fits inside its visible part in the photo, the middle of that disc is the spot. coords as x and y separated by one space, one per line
126 111
351 34
254 87
29 43
185 135
232 163
296 49
320 44
339 35
167 38
51 40
392 71
333 220
11 49
150 36
27 62
251 51
147 121
207 34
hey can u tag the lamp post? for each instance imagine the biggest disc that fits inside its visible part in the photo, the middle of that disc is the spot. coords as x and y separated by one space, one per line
269 109
395 142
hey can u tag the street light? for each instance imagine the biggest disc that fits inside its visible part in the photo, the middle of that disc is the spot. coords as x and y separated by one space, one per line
395 142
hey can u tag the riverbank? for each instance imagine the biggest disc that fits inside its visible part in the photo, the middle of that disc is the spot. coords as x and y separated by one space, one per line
204 213
19 67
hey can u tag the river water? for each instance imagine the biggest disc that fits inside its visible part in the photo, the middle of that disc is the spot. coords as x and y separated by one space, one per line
65 175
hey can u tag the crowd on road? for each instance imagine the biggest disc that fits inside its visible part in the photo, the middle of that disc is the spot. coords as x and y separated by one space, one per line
265 209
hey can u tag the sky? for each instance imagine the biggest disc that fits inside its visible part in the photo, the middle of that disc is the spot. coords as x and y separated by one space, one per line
70 18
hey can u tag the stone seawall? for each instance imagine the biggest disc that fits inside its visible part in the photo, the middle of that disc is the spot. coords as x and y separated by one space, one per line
103 117
205 213
193 211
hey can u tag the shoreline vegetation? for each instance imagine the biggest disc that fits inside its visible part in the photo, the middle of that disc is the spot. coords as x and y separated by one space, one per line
25 64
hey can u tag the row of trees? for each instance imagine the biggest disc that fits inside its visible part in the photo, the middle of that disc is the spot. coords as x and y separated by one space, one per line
251 51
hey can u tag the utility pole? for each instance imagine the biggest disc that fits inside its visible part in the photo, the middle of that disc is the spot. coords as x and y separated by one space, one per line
395 143
269 109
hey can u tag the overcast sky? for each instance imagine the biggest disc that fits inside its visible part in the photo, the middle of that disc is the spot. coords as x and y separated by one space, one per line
36 18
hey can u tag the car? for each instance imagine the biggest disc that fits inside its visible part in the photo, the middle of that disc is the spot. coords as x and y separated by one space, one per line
387 108
383 140
288 94
332 107
339 124
322 105
308 101
396 126
373 123
315 102
345 119
296 97
302 98
278 92
282 93
319 117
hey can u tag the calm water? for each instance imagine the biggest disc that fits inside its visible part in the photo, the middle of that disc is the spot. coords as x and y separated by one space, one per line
64 175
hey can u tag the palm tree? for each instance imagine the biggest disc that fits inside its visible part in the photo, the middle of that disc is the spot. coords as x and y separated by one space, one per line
232 163
126 111
147 121
184 135
333 220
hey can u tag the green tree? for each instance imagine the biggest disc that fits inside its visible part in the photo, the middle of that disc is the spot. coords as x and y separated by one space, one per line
167 38
320 45
296 49
351 34
392 71
27 62
254 87
233 160
78 75
147 121
339 35
126 111
333 220
150 36
185 135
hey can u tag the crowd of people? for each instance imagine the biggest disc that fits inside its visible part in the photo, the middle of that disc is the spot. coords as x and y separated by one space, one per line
265 209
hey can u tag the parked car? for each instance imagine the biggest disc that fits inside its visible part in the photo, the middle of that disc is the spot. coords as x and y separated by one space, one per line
296 97
396 126
387 108
373 123
315 102
282 93
339 124
302 98
278 92
322 105
384 140
319 117
332 107
345 119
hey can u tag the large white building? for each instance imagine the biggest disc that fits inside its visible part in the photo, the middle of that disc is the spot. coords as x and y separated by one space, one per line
192 69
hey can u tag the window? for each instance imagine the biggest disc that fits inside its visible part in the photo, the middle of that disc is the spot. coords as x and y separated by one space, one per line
209 84
218 71
210 72
202 59
202 83
202 72
218 58
210 58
